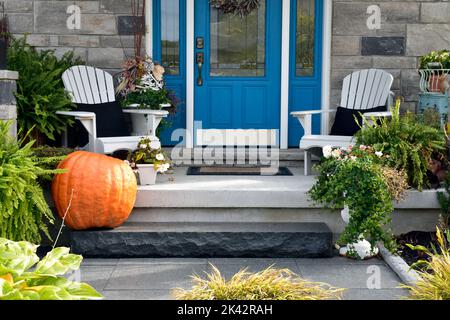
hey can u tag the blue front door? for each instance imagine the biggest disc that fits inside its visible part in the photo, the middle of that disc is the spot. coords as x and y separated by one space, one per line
237 72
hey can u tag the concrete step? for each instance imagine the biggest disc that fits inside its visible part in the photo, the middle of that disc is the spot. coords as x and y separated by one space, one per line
204 240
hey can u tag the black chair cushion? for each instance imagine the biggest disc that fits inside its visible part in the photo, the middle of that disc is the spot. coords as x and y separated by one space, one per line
345 123
110 123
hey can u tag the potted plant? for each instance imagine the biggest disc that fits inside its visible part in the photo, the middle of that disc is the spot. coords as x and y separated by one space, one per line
359 180
141 85
148 159
440 60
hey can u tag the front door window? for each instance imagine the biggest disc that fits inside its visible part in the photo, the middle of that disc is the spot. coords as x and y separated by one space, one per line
238 44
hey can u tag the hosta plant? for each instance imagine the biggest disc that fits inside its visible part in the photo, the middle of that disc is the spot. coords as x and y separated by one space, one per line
358 178
24 277
435 272
268 284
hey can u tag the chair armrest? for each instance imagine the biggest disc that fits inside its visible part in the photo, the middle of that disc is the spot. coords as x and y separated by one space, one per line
303 113
385 114
305 118
82 115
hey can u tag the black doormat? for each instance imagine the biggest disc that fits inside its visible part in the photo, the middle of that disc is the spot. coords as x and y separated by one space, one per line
238 171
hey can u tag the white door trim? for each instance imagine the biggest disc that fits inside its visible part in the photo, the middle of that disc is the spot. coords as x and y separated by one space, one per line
190 54
285 48
326 64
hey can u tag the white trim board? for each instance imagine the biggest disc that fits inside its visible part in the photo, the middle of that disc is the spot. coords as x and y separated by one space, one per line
326 64
285 47
236 137
149 28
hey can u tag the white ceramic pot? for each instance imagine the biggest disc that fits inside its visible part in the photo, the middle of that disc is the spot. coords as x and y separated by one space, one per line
147 174
345 214
362 249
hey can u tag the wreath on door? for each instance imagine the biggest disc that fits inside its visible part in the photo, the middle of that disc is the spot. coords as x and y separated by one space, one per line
241 8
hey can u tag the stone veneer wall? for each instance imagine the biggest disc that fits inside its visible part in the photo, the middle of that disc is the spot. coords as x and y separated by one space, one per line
409 29
97 42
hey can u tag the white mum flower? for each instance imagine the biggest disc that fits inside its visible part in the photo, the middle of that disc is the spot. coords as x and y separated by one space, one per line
160 157
327 151
379 154
155 145
163 168
143 146
336 153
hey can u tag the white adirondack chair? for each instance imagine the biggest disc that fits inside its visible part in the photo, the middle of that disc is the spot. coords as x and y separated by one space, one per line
361 90
89 85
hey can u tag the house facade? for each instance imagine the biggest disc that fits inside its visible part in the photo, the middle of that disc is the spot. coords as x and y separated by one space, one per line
241 75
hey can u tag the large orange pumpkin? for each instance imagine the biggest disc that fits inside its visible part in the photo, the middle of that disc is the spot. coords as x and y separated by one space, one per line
104 191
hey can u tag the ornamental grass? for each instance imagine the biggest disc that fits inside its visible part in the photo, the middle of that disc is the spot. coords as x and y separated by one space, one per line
268 284
435 276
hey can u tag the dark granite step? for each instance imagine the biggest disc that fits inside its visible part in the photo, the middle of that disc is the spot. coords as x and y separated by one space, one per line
202 240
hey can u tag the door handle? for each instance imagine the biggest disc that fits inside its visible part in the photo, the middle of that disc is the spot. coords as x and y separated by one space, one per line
200 60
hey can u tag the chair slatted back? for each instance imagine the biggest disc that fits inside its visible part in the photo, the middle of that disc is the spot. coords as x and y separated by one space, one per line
366 89
89 85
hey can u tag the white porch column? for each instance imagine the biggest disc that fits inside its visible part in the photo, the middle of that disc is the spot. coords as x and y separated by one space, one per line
149 27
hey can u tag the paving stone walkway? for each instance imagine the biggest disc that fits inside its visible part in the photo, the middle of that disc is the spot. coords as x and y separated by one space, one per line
143 279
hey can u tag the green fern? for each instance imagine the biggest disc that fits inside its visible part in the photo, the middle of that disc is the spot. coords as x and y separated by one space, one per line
24 212
40 91
409 143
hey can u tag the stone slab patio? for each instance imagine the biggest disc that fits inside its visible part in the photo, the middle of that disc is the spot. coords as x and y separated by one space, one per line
153 279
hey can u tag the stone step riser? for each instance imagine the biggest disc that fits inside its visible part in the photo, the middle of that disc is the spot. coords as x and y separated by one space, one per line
312 240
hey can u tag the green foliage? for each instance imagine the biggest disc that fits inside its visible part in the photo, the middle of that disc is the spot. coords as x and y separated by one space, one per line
268 284
440 56
40 91
24 277
148 99
355 178
23 209
435 277
50 157
409 143
444 201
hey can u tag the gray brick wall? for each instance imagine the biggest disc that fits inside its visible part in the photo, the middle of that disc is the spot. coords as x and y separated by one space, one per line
423 25
412 28
97 42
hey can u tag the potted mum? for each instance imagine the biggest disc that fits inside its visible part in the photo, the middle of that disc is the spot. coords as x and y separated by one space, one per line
358 180
148 159
141 85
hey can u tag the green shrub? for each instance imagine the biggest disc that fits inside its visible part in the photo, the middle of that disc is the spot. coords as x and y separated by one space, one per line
23 209
435 273
357 177
24 277
409 143
269 284
40 91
